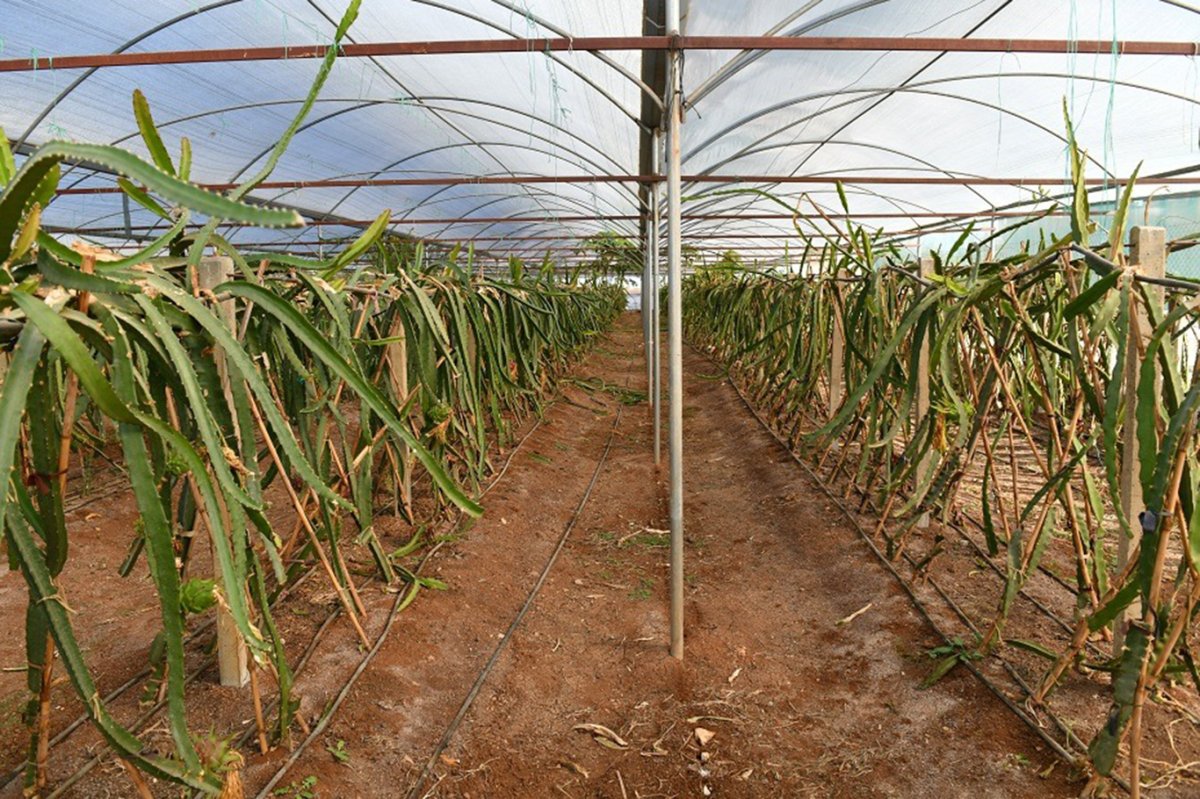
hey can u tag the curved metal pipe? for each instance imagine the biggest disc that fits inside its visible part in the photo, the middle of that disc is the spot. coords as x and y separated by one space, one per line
557 59
141 37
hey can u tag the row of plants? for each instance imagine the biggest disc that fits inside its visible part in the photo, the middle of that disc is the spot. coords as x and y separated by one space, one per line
1040 353
329 387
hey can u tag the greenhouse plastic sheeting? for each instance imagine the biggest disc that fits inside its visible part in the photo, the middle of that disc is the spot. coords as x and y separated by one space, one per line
805 113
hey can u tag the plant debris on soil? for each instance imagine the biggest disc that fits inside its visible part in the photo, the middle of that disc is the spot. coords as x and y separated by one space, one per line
802 674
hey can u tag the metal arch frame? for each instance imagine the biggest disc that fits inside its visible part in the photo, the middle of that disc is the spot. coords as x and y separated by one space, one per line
988 17
487 226
908 85
599 169
141 37
589 161
376 104
896 202
841 143
424 105
642 87
443 189
436 114
603 57
867 95
716 197
422 100
576 203
764 138
570 204
916 88
497 198
745 58
884 92
454 145
812 221
469 141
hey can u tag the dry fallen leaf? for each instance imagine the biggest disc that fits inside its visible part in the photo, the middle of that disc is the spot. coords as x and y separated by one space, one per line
449 761
604 736
571 765
704 736
735 674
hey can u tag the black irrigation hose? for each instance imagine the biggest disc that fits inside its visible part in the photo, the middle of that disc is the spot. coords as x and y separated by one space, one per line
67 731
1065 754
402 601
1021 592
310 649
145 718
982 553
414 791
117 692
312 645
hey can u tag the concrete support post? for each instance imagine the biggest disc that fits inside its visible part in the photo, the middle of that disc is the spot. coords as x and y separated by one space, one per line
922 398
837 353
1148 256
232 657
397 358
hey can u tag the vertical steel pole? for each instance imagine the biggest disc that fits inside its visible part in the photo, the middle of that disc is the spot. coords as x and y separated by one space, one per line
674 324
655 322
644 305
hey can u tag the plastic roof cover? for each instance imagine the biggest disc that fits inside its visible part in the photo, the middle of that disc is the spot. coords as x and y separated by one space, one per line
763 113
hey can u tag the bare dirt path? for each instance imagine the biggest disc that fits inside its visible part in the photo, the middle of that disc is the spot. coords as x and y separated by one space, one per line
799 704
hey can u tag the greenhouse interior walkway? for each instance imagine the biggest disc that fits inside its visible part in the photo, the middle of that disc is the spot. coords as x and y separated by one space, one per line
802 695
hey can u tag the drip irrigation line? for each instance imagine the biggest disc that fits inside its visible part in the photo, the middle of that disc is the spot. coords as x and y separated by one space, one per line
979 525
1050 614
144 719
401 602
117 692
300 664
414 791
1030 721
337 610
986 558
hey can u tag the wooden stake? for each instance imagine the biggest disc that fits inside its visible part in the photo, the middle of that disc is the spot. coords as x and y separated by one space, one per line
1148 257
347 605
232 655
259 724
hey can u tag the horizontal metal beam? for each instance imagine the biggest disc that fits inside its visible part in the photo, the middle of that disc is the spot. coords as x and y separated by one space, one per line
601 43
450 180
599 217
951 217
872 180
